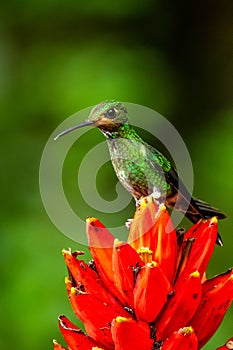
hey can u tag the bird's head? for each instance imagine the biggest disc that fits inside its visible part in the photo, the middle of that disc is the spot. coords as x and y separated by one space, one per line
106 115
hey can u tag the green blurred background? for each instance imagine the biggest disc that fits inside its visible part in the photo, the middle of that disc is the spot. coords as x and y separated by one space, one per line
58 57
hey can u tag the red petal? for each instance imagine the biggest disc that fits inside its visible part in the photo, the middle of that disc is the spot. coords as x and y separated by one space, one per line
216 299
227 345
125 259
184 338
57 346
74 337
154 230
129 334
78 268
205 234
166 248
181 306
218 281
141 232
150 292
84 276
95 314
101 247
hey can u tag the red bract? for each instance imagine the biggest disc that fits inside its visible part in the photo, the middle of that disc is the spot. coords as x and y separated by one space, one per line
75 336
149 293
128 333
216 298
181 306
57 346
184 338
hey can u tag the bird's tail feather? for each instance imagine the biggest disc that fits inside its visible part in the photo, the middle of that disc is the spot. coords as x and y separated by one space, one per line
206 210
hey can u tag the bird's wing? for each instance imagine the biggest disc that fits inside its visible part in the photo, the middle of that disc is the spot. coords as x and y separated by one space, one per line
157 159
178 186
185 200
196 208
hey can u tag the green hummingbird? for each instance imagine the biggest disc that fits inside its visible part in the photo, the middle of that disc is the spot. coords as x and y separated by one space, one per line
142 169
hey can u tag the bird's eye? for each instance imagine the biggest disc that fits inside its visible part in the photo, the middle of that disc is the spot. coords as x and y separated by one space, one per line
111 113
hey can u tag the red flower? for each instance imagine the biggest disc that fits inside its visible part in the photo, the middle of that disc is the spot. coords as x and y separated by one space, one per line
149 293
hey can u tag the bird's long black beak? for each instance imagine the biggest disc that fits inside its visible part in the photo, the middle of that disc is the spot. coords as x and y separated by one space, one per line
67 131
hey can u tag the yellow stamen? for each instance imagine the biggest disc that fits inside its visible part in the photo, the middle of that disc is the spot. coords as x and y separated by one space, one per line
187 330
90 219
65 251
195 274
152 264
214 220
162 207
73 290
121 319
67 280
145 254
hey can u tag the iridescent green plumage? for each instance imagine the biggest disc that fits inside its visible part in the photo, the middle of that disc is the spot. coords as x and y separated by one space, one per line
139 167
142 169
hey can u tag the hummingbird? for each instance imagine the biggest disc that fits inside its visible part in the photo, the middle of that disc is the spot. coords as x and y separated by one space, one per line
142 169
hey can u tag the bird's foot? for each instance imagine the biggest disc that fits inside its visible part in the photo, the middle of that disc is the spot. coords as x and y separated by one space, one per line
141 202
147 199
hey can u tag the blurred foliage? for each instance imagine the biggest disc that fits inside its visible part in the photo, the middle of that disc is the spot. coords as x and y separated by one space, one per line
58 57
